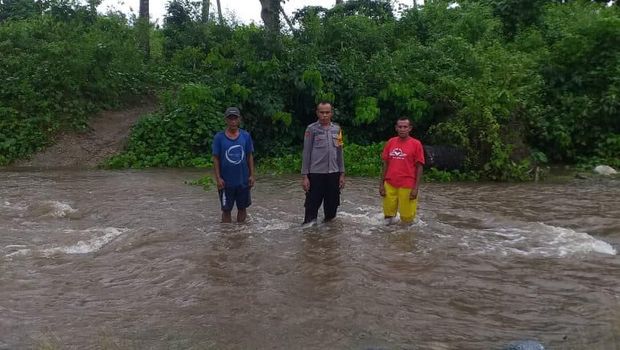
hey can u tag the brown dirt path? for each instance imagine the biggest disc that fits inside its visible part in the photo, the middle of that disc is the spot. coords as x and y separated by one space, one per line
106 135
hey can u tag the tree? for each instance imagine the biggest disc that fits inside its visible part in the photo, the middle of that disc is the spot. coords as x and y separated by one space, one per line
205 11
219 12
92 6
144 10
270 14
288 20
143 24
380 10
19 9
516 14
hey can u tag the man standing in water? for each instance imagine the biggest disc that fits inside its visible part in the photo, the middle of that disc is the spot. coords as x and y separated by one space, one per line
322 165
403 159
233 164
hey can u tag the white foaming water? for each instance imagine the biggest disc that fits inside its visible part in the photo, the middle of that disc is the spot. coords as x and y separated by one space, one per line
536 239
60 209
14 206
16 250
51 208
261 225
371 220
545 240
102 237
571 241
365 218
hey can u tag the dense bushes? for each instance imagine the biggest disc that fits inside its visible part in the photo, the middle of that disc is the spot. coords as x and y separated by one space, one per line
579 57
509 94
57 72
511 91
180 134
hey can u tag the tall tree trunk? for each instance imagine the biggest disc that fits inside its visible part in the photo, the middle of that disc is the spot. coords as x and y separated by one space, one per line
205 11
143 26
144 10
219 12
338 2
288 21
270 14
92 6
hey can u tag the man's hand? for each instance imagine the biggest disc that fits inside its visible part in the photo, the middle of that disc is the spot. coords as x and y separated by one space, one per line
305 183
382 189
413 194
251 181
341 181
220 183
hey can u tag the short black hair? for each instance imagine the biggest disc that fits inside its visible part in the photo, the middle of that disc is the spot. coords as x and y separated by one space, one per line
404 118
325 102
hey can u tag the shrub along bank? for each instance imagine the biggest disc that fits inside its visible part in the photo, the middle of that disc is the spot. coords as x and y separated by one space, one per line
57 69
512 92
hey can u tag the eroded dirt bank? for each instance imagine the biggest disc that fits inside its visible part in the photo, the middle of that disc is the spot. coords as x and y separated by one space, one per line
106 135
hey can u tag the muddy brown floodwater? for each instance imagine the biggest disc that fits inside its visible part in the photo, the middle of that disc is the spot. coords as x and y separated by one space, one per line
94 259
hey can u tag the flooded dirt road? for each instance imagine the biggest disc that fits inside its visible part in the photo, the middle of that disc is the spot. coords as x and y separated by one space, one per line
93 259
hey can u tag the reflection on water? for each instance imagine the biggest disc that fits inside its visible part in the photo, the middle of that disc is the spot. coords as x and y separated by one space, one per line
138 259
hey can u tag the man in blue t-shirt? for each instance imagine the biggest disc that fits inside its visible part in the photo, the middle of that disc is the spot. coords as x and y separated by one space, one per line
233 164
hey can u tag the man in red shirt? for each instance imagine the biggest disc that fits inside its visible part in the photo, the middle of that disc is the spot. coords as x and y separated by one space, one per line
403 159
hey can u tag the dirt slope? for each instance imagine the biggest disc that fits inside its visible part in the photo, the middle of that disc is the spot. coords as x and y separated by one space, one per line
106 135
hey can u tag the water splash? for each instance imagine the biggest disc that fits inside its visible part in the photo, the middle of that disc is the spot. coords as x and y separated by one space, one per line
16 250
102 237
540 239
51 208
13 206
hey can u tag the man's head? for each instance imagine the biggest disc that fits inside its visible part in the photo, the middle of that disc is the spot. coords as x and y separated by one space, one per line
403 127
233 117
324 112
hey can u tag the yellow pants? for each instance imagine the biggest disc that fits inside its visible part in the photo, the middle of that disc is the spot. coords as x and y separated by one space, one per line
398 198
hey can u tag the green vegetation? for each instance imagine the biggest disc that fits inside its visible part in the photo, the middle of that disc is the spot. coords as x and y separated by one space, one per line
515 84
206 182
58 68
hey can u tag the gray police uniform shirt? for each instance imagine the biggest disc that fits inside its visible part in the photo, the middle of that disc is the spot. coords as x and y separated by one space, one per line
322 152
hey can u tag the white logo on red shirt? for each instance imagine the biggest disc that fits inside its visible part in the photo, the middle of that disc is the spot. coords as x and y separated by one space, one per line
397 153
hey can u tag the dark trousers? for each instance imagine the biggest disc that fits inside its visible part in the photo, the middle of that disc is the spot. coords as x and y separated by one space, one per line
324 188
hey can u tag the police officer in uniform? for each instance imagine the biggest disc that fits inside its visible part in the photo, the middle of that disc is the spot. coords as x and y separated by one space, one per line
322 166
